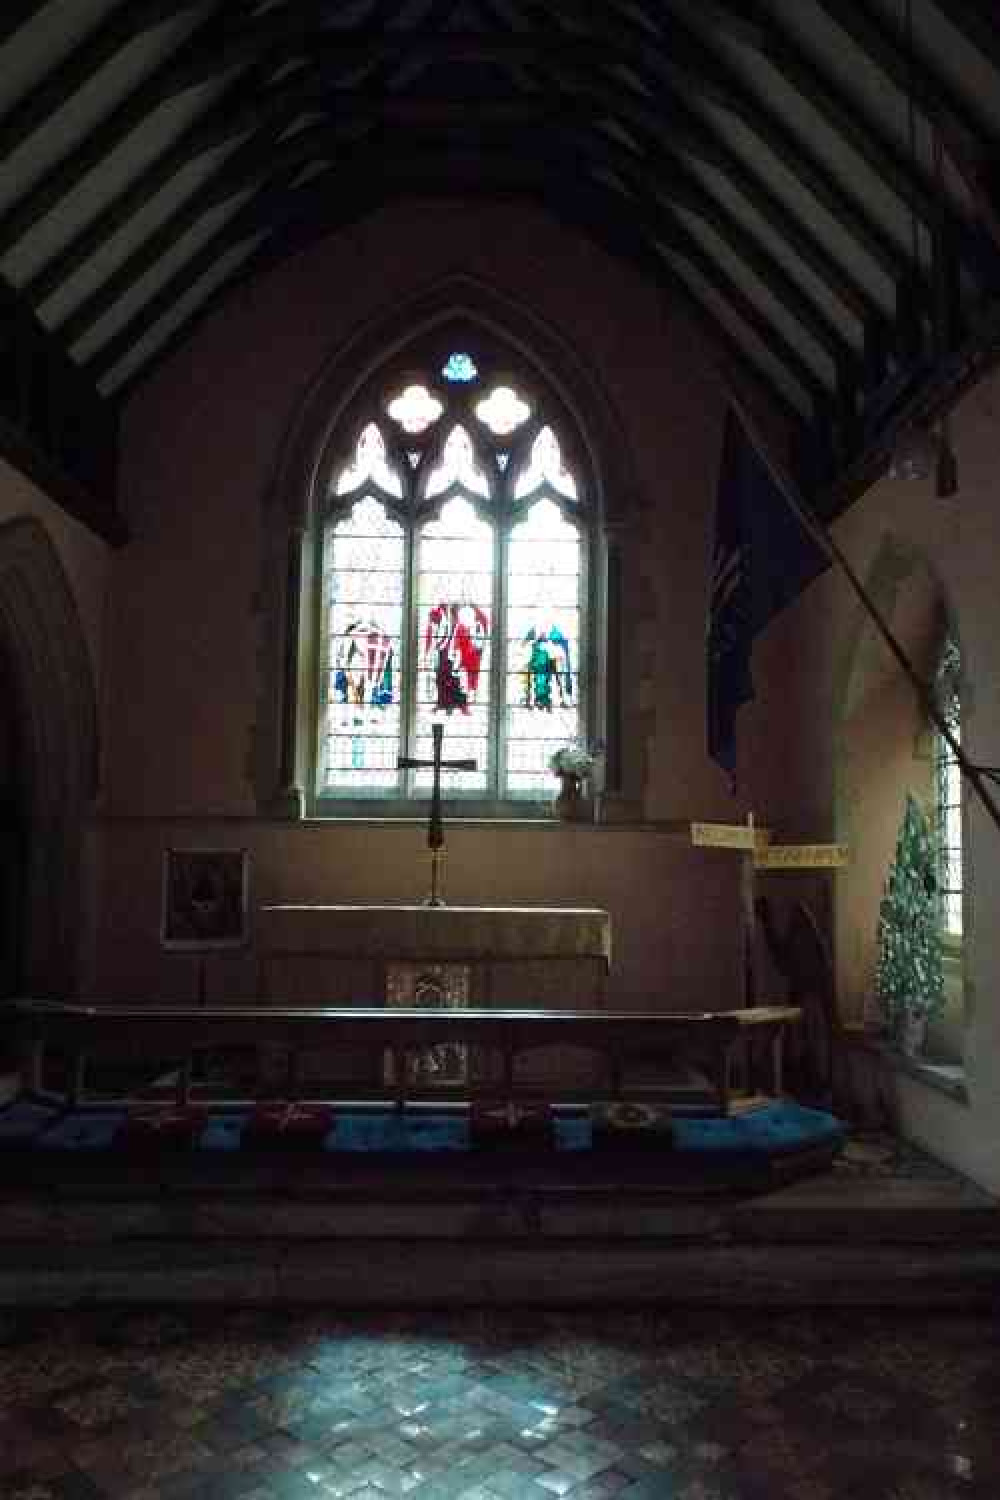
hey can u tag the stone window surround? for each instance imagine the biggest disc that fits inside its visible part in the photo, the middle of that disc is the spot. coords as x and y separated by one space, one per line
282 738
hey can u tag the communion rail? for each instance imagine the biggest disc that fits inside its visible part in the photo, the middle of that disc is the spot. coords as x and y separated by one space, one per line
80 1033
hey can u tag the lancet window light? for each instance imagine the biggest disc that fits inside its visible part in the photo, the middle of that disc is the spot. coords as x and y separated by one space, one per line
456 551
948 794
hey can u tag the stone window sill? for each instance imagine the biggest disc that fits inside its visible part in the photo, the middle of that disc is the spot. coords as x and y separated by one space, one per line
945 1078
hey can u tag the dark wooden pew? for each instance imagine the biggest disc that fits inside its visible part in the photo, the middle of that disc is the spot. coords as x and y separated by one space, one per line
82 1032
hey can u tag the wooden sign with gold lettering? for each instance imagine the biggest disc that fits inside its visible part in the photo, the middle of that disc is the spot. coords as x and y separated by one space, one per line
801 857
729 836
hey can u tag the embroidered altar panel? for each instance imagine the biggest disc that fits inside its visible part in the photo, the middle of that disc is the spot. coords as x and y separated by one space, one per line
445 933
553 958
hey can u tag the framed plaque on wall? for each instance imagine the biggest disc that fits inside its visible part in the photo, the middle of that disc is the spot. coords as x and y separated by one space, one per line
205 898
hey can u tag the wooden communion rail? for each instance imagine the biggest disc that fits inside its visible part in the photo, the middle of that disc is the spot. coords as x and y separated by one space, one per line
83 1032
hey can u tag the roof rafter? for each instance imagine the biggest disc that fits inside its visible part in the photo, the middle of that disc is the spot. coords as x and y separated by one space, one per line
683 60
313 145
107 39
914 77
687 248
71 169
843 116
316 213
261 157
17 13
977 22
232 114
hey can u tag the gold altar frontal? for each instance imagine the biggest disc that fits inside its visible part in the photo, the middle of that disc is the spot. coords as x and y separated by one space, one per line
547 958
553 957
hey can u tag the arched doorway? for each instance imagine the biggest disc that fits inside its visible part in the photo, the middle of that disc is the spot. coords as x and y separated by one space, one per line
48 764
14 816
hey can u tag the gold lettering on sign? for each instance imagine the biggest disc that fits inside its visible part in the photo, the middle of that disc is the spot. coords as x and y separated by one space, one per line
802 857
729 836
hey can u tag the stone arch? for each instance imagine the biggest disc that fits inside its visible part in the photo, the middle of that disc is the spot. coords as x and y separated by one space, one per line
284 669
42 639
881 744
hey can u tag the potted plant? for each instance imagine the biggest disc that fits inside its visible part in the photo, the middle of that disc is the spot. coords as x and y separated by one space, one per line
572 764
909 978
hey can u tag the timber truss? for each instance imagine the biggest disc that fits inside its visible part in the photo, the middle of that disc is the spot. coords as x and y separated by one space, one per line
812 180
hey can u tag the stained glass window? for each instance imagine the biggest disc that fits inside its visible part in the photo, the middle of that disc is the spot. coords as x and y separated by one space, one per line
546 467
503 411
370 462
455 555
543 644
415 409
363 587
948 788
455 572
460 368
458 465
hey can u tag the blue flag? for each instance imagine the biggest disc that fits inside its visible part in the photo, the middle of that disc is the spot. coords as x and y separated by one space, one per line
763 559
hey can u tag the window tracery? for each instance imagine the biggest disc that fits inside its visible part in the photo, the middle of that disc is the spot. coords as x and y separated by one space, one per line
456 550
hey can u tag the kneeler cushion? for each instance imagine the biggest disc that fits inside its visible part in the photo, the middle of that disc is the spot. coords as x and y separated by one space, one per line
289 1127
501 1125
162 1127
631 1126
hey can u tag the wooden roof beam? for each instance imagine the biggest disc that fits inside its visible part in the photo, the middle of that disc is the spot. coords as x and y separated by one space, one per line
17 13
684 62
235 113
70 170
413 171
127 21
261 157
266 156
332 211
687 248
976 20
844 117
931 92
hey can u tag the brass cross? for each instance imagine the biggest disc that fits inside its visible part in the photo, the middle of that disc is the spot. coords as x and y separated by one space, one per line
435 826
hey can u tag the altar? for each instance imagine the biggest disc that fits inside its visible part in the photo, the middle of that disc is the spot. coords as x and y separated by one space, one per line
462 957
550 957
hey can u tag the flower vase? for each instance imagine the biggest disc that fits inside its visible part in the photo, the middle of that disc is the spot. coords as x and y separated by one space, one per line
570 804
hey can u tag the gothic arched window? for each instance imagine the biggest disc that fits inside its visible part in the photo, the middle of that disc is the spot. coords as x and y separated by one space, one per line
948 794
456 546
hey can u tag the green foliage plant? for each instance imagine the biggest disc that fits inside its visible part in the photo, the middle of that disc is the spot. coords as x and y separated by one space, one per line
909 978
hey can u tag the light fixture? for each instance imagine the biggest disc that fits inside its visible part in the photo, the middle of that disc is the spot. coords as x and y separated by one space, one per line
915 454
919 452
946 469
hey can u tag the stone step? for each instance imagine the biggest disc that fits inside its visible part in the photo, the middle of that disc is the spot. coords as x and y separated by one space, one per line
449 1273
822 1213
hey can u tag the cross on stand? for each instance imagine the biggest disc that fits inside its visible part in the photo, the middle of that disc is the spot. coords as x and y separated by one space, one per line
435 826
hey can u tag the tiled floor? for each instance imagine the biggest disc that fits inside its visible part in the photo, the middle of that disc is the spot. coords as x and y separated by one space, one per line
673 1405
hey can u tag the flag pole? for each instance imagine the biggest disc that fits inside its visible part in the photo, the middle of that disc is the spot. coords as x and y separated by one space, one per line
823 538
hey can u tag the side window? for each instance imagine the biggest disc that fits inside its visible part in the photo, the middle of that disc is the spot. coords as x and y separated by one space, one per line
948 794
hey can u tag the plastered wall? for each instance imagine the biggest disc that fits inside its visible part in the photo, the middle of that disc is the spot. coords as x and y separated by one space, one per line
800 738
200 443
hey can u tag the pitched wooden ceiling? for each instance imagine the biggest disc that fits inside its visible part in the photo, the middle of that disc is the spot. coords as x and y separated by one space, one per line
810 177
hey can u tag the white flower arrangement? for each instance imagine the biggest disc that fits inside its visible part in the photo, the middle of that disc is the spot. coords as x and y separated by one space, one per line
572 760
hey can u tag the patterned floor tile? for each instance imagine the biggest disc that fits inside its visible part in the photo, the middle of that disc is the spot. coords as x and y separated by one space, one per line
683 1405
